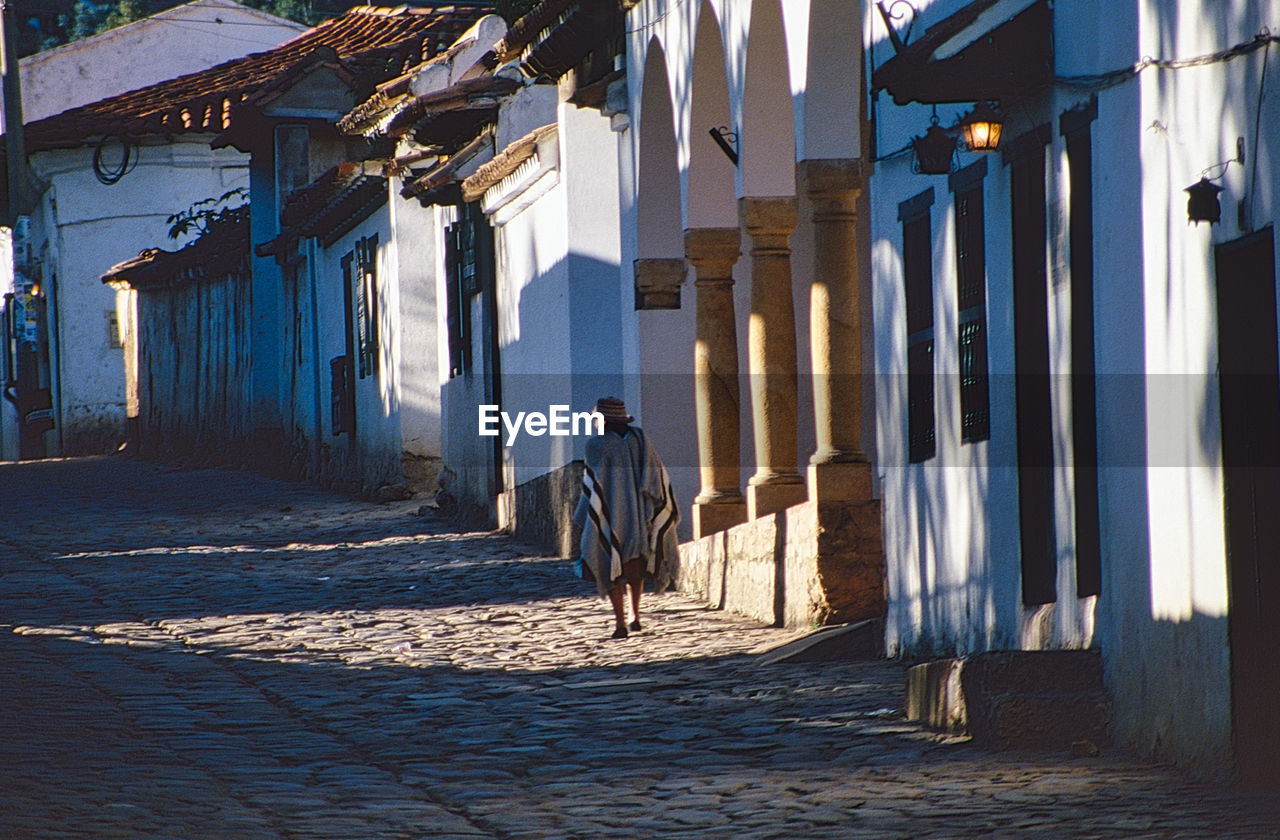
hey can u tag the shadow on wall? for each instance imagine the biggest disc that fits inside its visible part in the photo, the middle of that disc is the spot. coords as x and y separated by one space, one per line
559 344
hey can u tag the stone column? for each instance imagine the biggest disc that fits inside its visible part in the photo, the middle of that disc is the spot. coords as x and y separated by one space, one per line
712 252
838 470
771 338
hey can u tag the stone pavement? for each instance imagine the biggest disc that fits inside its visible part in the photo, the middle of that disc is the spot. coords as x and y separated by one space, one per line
211 654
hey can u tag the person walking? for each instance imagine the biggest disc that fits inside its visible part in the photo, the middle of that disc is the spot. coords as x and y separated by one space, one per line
628 515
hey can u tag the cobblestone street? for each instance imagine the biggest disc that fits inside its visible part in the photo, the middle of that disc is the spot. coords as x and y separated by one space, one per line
211 654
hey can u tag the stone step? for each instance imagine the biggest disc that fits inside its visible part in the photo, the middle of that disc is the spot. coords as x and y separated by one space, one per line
1035 671
1014 699
1039 721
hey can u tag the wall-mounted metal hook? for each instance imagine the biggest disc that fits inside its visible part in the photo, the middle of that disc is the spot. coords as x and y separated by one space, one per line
892 14
727 141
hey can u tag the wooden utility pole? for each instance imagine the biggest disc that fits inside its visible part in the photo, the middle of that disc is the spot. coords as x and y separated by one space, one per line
15 145
25 391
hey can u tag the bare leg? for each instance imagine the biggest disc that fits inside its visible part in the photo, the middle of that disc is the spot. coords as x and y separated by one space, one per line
616 597
635 581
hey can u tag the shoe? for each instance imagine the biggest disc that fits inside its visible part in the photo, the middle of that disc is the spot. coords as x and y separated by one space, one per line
620 633
635 625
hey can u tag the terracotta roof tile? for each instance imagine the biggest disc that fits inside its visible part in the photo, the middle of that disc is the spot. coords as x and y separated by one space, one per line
367 41
508 161
536 24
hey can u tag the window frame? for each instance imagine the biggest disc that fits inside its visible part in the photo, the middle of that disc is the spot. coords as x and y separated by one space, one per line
918 288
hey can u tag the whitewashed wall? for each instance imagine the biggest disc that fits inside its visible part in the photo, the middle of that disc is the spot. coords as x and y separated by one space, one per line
412 256
951 524
535 332
84 227
373 457
1175 700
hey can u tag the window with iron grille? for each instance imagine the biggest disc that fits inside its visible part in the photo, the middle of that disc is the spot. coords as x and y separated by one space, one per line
365 297
971 298
917 257
469 264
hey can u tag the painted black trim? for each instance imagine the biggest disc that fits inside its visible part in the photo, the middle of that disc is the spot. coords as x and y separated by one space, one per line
1026 145
969 177
916 206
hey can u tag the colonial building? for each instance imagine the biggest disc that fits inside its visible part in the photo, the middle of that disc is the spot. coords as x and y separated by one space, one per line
1077 395
337 418
515 182
747 118
89 214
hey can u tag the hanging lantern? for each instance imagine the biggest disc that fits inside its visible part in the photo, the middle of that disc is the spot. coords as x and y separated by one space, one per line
1202 204
982 129
935 151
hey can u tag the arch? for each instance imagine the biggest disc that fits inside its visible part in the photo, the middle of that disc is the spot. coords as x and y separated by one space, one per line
833 96
657 169
768 113
711 192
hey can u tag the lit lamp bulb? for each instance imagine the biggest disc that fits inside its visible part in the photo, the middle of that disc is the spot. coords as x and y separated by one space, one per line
982 128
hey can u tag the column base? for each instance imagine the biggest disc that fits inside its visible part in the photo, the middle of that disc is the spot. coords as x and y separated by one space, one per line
766 499
713 517
840 481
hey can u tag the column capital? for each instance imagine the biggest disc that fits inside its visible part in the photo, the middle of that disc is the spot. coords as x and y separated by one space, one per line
712 252
821 177
712 245
658 281
771 216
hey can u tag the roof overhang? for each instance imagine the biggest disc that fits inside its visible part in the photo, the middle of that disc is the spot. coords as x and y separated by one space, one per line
442 184
991 50
217 255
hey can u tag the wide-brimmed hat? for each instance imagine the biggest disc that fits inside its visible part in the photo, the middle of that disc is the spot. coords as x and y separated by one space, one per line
614 410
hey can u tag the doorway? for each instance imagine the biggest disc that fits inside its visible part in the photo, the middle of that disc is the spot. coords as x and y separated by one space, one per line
1249 372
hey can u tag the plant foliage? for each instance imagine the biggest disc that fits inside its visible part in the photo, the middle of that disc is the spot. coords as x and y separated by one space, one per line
211 214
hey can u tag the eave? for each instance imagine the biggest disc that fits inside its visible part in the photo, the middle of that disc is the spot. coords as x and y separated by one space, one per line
991 50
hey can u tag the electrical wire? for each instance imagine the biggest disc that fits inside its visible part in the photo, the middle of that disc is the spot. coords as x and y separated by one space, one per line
1100 81
128 160
1257 125
671 7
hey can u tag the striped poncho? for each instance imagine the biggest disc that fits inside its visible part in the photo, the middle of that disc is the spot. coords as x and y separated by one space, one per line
627 509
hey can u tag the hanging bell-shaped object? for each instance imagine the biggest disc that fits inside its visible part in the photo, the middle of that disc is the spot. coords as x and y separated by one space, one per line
1202 204
935 151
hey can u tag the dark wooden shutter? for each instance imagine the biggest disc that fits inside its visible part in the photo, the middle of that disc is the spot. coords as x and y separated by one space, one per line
1084 404
1031 351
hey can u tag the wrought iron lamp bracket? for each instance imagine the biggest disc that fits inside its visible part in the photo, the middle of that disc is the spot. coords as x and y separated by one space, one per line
727 141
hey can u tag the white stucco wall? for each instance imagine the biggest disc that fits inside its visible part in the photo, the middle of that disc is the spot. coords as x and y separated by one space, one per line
81 229
1176 699
534 328
374 456
412 256
951 523
174 42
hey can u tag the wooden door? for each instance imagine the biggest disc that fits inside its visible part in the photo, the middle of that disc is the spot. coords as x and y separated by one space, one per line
1250 394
